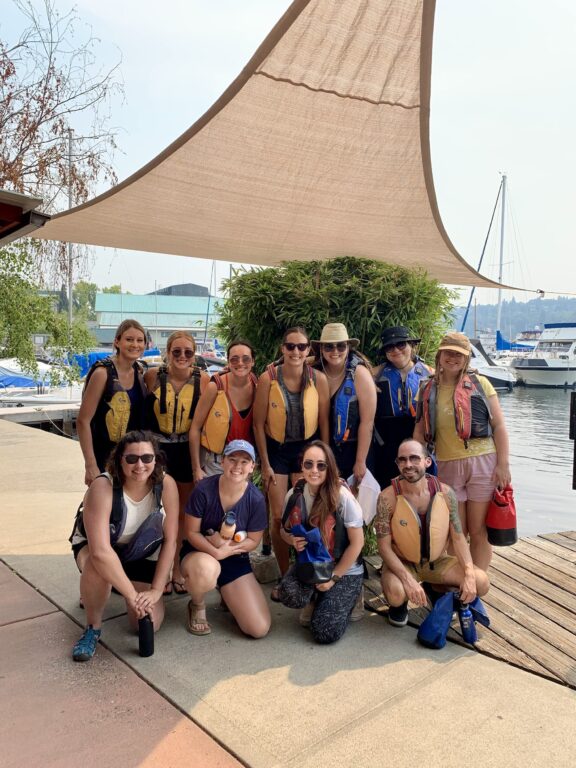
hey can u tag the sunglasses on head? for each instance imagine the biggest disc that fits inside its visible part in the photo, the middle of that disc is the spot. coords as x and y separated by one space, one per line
235 359
341 346
134 458
188 353
414 459
321 466
401 345
302 347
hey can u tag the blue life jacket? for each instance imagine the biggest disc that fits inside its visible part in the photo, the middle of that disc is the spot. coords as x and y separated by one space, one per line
344 406
396 397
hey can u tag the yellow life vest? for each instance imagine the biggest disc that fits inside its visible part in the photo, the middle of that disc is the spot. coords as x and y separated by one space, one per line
216 428
414 541
275 425
173 412
112 417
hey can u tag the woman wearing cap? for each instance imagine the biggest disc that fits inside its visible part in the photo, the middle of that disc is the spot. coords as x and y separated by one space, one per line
352 398
224 412
225 519
174 393
397 382
291 405
472 449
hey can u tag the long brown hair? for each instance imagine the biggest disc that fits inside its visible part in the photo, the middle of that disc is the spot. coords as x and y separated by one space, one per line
114 463
124 326
327 499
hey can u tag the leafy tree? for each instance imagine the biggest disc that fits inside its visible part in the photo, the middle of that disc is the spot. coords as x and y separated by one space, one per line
365 295
51 83
112 289
85 299
23 312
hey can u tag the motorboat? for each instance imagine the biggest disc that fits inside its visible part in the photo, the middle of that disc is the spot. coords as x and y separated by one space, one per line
500 377
552 363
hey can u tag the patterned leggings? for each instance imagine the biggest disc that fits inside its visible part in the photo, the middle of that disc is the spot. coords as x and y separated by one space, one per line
333 608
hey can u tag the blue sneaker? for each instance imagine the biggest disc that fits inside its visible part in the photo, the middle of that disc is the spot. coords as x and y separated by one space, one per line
85 648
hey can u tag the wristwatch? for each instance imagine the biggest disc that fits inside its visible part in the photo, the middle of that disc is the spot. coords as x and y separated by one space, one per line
336 578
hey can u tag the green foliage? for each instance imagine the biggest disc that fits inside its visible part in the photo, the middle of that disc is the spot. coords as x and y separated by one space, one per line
23 313
113 289
365 295
85 299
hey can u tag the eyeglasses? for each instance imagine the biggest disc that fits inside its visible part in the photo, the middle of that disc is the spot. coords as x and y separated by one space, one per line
413 458
321 466
341 346
187 353
401 345
134 458
240 359
290 346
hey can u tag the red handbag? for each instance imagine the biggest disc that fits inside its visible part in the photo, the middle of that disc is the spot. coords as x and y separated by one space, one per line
501 518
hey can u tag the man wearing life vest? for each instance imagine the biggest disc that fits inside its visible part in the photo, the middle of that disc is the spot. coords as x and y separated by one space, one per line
417 518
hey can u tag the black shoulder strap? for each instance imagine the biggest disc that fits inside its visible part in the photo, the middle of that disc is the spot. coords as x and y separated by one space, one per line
196 395
118 514
158 488
294 499
163 378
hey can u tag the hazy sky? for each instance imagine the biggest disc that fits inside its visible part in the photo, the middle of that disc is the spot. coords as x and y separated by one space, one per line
503 100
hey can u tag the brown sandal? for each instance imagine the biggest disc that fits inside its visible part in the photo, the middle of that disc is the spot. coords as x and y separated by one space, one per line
196 624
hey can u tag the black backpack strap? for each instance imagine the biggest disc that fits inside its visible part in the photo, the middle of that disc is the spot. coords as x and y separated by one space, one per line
163 379
196 395
293 500
158 489
118 514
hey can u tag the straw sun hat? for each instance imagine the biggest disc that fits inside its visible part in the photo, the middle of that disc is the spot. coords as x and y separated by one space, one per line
332 333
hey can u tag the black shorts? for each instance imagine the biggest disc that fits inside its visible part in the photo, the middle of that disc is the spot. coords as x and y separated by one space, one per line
178 462
137 570
231 568
285 458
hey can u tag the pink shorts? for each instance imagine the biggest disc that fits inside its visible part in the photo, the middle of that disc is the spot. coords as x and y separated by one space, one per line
471 479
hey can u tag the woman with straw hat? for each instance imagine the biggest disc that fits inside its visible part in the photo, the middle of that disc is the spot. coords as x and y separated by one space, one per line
471 449
352 398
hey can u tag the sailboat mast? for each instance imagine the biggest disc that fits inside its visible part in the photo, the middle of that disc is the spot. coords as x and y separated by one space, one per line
502 221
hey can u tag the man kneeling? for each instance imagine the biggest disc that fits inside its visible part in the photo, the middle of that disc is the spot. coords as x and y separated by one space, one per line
417 518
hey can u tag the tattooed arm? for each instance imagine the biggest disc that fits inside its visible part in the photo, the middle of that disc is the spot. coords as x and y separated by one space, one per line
460 546
390 560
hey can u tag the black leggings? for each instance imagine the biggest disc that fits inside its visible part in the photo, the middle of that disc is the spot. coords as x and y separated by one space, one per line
333 608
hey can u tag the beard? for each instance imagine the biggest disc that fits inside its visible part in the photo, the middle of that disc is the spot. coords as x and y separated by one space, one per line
415 474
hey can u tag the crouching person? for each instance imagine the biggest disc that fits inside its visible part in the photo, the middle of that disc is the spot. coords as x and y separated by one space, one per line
320 501
125 537
417 518
225 518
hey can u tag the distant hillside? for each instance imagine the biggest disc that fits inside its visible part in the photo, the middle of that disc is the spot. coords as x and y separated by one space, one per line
517 316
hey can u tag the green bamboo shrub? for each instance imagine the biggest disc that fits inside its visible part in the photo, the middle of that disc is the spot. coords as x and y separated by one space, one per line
365 295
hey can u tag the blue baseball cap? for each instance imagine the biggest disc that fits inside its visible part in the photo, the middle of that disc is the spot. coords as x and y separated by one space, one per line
237 446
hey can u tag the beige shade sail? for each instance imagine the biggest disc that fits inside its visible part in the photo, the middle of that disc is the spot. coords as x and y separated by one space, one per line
319 149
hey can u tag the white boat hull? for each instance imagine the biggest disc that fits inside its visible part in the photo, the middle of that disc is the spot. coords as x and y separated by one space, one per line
549 376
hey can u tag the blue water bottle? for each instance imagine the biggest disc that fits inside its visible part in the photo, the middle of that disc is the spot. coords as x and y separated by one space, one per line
467 624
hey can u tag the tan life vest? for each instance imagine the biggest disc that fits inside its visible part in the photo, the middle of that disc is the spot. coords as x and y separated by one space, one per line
275 425
217 425
413 541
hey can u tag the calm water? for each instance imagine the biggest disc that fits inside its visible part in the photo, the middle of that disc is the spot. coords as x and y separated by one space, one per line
541 457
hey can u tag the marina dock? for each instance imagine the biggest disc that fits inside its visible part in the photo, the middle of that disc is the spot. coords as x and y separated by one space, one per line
531 604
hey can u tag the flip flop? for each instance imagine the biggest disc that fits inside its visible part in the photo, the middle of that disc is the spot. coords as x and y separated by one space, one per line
168 589
194 622
274 596
179 587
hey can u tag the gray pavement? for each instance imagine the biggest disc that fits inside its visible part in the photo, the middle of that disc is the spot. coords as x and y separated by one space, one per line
376 698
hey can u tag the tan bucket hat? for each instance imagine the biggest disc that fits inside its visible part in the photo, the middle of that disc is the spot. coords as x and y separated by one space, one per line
332 333
455 341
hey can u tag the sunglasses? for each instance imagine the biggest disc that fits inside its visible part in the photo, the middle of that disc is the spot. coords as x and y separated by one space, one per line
341 346
134 458
290 346
240 359
321 466
414 459
401 345
187 353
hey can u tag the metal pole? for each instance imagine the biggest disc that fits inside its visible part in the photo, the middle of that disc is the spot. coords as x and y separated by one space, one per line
502 221
70 281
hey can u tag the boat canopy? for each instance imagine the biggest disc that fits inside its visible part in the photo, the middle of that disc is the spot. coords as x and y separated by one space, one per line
319 149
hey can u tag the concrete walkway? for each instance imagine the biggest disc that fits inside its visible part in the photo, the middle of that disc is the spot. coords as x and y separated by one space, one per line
375 698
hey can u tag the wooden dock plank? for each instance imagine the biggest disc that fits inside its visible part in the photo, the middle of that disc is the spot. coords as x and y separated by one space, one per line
561 616
569 534
543 556
544 571
503 567
558 538
550 546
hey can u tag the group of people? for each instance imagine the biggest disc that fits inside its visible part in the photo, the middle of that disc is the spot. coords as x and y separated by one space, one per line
170 453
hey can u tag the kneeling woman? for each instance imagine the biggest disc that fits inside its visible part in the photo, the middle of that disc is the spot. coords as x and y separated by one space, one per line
220 508
323 502
108 542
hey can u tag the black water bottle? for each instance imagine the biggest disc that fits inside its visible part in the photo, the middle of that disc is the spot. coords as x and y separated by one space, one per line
145 636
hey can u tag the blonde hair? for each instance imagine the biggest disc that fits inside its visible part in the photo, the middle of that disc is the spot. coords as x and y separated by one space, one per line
180 335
